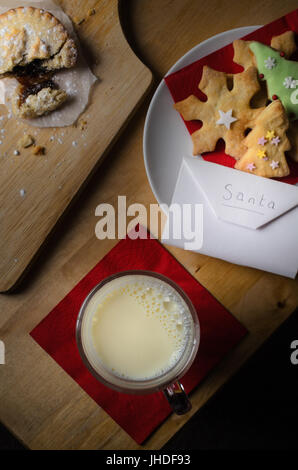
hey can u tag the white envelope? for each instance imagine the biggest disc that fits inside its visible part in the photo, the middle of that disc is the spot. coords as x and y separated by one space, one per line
248 220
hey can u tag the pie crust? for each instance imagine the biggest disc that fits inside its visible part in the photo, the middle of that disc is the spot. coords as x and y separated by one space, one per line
33 45
28 35
35 105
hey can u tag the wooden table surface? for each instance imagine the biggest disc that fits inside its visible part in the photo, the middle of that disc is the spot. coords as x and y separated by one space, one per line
39 402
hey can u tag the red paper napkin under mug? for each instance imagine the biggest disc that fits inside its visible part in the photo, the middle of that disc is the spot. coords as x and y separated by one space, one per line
138 415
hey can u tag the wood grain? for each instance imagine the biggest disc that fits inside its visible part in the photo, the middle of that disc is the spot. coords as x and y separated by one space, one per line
39 402
51 181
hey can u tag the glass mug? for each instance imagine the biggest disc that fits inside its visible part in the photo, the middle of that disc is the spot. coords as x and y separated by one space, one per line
166 380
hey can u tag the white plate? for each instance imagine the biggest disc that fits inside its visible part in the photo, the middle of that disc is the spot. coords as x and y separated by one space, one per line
166 139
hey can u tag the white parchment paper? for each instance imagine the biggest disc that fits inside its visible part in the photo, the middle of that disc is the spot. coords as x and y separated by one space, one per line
77 82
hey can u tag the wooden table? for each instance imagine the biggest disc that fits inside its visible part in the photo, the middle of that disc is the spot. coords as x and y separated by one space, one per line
39 402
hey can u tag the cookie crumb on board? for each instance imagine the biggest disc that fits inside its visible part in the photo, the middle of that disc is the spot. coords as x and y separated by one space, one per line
39 150
78 21
82 124
26 141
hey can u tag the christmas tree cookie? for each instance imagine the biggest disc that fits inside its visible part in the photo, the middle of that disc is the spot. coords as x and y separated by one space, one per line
226 114
267 143
284 43
281 76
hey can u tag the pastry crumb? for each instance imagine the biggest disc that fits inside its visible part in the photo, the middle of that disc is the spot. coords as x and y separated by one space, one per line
78 21
39 150
83 124
26 141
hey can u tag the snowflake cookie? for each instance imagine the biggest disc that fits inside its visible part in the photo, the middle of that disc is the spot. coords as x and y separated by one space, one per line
226 114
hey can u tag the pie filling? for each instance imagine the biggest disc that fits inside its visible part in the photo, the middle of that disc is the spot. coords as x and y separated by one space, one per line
33 78
30 86
33 69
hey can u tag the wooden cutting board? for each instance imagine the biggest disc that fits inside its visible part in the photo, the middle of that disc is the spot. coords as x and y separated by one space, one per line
36 190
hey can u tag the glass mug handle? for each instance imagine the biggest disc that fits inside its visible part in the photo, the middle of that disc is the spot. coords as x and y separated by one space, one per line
177 398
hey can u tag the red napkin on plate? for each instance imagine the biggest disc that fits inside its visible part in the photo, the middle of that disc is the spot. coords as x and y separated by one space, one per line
185 82
137 415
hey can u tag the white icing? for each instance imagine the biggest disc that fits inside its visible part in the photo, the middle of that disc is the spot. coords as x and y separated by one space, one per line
274 164
270 63
294 97
290 82
226 119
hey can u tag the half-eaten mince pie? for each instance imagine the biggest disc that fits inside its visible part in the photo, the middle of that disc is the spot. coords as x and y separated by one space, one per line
33 46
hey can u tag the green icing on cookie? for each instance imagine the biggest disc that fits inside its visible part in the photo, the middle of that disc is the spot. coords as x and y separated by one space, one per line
281 76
